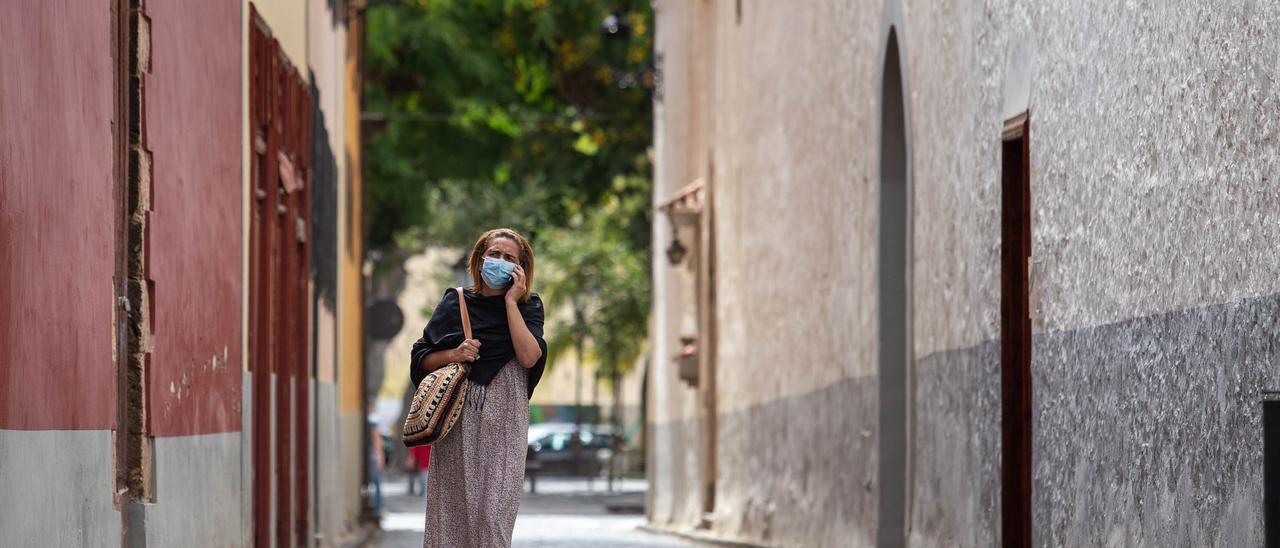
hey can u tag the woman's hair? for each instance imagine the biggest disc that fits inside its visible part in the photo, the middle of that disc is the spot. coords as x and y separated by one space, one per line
482 245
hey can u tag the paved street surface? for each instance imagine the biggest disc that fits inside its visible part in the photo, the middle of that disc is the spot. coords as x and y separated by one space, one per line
564 513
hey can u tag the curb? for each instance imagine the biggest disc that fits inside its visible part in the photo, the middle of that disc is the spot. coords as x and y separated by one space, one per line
700 537
362 535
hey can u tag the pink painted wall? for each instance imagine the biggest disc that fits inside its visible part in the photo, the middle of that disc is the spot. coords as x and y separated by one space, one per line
193 113
56 216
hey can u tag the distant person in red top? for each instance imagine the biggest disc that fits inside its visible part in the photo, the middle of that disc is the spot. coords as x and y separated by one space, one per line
419 459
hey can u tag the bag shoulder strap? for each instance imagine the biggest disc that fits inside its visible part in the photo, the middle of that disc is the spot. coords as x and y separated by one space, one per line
466 320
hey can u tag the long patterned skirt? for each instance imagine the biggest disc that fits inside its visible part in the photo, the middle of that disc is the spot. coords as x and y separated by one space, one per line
477 470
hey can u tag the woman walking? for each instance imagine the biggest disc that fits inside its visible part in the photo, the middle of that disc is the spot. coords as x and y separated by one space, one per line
477 470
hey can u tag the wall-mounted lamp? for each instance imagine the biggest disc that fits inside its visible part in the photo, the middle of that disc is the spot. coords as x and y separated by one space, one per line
676 251
684 209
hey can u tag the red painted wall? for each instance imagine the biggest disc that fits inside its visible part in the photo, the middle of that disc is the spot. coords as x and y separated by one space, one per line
56 216
193 113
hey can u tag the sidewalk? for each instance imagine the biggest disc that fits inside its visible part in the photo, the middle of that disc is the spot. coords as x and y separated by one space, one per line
563 513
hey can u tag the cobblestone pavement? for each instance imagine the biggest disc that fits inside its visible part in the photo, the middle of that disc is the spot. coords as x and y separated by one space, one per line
564 513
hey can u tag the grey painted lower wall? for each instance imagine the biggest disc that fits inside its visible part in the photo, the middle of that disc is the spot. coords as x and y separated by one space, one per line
58 484
312 460
675 476
350 427
955 497
1149 431
246 459
1146 433
198 500
794 471
329 517
802 470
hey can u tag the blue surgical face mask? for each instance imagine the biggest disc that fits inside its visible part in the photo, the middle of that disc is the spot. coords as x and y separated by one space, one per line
497 272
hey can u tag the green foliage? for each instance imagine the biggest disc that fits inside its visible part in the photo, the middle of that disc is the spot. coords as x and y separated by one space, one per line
519 113
596 267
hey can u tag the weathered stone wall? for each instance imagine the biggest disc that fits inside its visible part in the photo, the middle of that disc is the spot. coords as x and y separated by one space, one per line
1155 220
682 135
795 207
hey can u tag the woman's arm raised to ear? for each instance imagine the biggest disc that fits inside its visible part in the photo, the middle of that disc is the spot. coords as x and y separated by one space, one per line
527 349
526 344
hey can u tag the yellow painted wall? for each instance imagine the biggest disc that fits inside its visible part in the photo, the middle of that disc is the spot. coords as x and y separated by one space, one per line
351 240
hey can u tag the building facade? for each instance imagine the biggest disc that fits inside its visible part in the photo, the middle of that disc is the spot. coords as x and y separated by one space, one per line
957 274
180 285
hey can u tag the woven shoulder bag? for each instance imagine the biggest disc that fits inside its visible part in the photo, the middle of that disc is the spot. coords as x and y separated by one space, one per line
438 401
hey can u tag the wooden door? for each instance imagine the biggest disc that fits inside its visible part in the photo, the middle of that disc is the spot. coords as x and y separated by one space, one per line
1015 335
279 332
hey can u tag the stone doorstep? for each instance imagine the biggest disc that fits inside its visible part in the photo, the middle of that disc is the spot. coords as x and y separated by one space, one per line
701 537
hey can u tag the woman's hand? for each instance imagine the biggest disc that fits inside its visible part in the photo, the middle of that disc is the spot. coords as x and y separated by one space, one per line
468 351
526 346
518 287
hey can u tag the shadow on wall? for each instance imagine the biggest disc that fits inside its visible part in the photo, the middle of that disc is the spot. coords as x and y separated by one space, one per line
894 303
324 205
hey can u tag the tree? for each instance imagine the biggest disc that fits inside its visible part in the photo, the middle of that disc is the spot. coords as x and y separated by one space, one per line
594 261
520 113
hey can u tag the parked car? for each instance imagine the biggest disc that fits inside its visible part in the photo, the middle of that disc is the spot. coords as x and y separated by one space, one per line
552 447
539 430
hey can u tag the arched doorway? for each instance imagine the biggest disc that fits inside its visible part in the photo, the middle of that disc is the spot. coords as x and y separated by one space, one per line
894 304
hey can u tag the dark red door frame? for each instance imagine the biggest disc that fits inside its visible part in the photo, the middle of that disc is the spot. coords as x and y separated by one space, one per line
280 107
1015 334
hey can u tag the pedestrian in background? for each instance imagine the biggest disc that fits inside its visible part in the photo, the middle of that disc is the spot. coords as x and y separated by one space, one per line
475 486
419 459
377 460
410 472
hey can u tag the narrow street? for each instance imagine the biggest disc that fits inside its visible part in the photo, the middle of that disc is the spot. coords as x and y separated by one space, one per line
564 513
811 273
